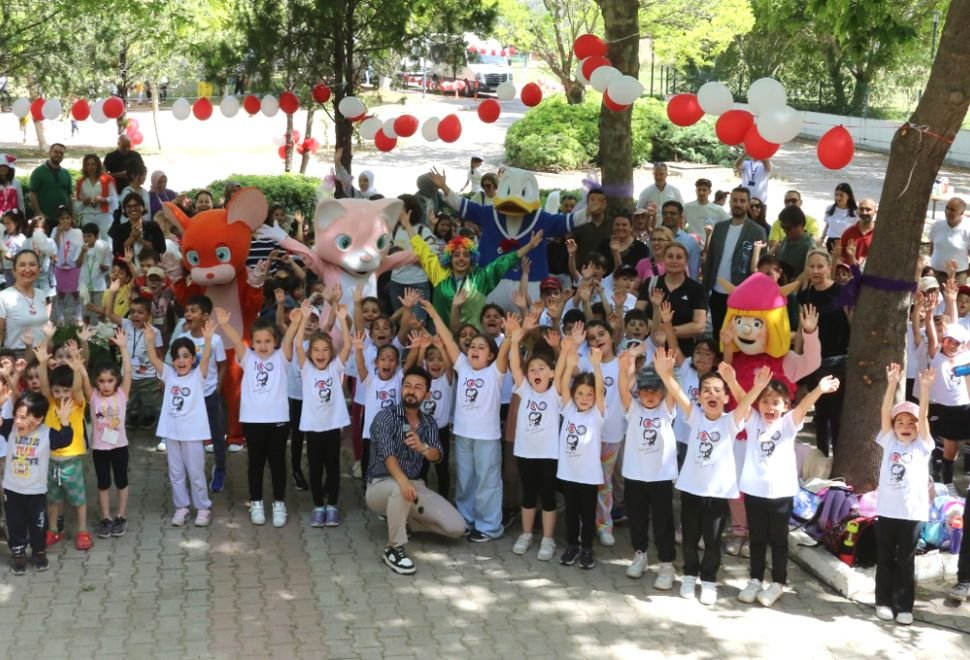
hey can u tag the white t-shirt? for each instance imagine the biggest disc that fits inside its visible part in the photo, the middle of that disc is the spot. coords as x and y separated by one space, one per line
379 394
709 468
653 194
950 243
183 415
579 446
294 377
615 425
141 366
92 275
727 256
770 469
216 355
838 221
650 452
903 478
689 382
754 177
477 400
537 422
947 389
21 313
370 359
915 357
440 400
508 383
324 407
697 216
264 388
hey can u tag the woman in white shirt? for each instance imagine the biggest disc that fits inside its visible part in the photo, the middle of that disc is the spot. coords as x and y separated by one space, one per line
21 305
95 195
840 215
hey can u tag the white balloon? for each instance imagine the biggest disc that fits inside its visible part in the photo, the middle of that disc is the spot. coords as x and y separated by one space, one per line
602 77
51 109
715 98
270 105
780 125
766 94
181 109
505 91
624 90
351 107
229 106
97 112
388 128
20 107
430 129
279 140
579 73
369 127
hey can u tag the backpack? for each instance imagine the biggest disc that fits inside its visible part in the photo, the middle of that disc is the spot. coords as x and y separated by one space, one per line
853 541
805 506
839 503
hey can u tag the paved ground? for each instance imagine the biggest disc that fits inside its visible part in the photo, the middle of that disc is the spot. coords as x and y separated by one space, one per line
233 590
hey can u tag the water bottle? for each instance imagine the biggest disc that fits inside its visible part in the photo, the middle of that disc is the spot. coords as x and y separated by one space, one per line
956 536
962 370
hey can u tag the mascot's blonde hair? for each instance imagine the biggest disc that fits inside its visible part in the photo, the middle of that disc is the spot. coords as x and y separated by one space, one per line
760 297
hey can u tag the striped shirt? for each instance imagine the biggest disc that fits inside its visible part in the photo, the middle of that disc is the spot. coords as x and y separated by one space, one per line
387 439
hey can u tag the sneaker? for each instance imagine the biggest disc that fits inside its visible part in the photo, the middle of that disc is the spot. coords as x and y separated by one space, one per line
104 528
951 490
218 481
884 613
178 519
547 548
745 549
83 541
618 514
299 481
332 517
960 591
319 517
522 544
688 583
750 591
568 558
53 537
234 448
479 537
665 578
733 545
355 471
256 513
904 618
509 516
160 446
398 560
586 560
119 526
203 517
635 569
41 562
606 538
18 565
209 448
279 514
770 594
708 593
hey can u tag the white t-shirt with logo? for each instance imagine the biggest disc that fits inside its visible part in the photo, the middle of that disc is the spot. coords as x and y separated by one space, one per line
537 423
141 366
441 398
614 426
947 389
378 395
690 382
478 396
370 359
216 354
324 407
264 388
903 478
294 377
709 468
579 446
650 452
770 469
183 415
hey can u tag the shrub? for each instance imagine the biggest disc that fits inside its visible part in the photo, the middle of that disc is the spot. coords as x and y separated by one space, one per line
548 153
293 191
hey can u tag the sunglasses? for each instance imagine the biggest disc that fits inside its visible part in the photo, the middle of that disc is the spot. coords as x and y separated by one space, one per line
756 206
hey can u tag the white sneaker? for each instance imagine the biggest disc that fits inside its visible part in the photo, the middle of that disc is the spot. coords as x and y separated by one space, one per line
234 449
161 445
665 578
607 539
708 593
256 513
733 546
884 613
209 448
687 586
522 544
770 594
960 591
750 591
547 549
904 618
355 471
745 549
635 569
279 514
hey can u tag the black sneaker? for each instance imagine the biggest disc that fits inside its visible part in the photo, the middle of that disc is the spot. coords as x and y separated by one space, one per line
569 557
18 565
586 558
476 536
119 526
104 528
618 515
299 481
398 560
41 562
509 516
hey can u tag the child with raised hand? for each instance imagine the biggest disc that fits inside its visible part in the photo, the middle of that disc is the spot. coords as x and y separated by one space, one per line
266 423
324 412
950 395
708 479
477 427
109 403
650 459
430 352
536 446
903 501
378 385
579 468
769 481
183 421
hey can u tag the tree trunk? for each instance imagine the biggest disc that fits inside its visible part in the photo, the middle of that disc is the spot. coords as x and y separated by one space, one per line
41 136
879 321
288 161
307 134
834 68
574 91
616 142
155 92
343 71
860 94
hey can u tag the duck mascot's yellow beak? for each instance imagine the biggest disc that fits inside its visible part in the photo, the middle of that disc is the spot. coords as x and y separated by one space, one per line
518 192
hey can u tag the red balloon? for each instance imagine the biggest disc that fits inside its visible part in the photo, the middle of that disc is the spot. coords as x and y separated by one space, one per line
383 142
296 135
136 138
289 103
836 148
613 105
132 124
757 146
593 63
732 126
505 52
489 110
300 148
471 49
81 110
129 131
252 104
37 109
406 125
202 109
113 107
588 45
512 50
531 95
321 93
282 151
311 145
449 128
684 110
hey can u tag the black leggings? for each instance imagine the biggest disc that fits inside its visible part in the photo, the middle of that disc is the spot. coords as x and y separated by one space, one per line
266 442
538 477
580 513
896 541
702 517
768 526
648 502
26 521
323 453
442 469
107 461
296 435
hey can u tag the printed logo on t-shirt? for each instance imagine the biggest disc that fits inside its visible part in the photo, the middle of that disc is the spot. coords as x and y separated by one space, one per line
573 434
178 399
706 445
107 416
324 386
430 405
24 455
768 446
536 409
262 375
897 469
472 387
608 381
651 428
387 397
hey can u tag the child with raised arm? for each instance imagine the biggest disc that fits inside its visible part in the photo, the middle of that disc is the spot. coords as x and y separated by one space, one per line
430 352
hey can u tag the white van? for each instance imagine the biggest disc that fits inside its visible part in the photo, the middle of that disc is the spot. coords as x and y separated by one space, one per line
466 64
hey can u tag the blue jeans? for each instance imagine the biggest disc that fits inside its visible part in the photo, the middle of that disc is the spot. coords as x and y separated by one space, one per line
478 490
395 290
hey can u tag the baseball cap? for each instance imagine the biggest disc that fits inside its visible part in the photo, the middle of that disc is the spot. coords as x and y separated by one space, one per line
550 284
928 282
155 271
648 379
964 289
626 270
956 332
905 407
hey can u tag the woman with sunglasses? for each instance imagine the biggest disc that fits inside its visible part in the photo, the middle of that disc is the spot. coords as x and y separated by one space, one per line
486 195
758 212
